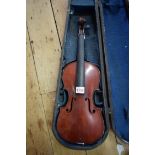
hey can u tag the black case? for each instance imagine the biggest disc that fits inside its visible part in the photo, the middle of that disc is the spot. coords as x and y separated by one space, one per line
91 10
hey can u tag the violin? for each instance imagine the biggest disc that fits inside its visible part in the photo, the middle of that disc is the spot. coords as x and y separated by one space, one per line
80 120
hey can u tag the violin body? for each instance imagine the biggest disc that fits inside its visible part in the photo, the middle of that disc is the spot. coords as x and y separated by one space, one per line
80 120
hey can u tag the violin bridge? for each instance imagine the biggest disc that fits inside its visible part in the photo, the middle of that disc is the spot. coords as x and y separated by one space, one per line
80 90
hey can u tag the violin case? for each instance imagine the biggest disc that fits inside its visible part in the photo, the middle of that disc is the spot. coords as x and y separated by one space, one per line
106 46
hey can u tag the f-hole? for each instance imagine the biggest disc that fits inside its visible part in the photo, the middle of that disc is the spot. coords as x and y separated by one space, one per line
69 110
93 110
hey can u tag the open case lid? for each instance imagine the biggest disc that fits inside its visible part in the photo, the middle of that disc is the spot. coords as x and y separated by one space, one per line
115 26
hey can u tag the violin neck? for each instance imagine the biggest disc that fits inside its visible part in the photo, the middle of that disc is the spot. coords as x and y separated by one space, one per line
80 76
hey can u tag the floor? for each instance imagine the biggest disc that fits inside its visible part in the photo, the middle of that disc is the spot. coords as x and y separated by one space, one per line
45 28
